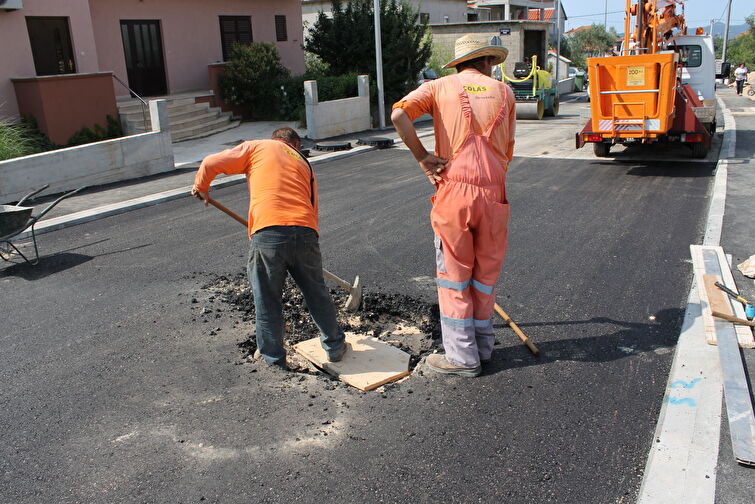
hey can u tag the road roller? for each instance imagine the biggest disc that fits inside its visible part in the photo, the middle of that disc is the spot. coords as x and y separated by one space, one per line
533 90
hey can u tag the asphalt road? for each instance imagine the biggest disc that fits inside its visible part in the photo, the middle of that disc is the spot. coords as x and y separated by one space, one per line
115 391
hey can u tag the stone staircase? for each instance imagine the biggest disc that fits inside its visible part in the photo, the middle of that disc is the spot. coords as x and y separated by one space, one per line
188 119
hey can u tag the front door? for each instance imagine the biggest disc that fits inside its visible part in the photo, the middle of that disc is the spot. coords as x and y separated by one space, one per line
143 48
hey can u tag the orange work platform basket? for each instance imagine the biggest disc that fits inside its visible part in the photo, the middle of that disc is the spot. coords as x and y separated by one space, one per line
633 96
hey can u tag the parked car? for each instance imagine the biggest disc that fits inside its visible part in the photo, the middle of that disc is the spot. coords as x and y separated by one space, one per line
426 75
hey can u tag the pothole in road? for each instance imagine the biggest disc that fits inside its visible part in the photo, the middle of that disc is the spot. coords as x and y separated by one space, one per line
408 323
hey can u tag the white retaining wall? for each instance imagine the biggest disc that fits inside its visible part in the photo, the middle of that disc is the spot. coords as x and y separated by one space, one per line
566 86
337 117
92 164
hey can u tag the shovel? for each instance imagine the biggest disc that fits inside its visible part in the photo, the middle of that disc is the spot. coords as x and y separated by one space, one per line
353 302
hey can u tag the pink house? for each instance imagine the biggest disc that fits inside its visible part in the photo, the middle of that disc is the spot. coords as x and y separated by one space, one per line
59 57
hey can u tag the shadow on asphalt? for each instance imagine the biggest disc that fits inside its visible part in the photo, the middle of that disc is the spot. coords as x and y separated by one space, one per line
56 263
48 265
634 338
668 169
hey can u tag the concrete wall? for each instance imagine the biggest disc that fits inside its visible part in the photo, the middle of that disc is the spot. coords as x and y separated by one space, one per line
444 36
191 34
92 164
16 58
566 86
63 104
438 10
337 117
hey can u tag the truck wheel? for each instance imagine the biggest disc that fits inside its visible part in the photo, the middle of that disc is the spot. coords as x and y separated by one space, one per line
552 111
601 149
699 151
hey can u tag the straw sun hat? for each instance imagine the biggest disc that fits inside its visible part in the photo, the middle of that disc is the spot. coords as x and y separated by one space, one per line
475 46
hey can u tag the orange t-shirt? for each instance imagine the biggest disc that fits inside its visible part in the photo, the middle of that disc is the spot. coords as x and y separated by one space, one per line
440 99
282 187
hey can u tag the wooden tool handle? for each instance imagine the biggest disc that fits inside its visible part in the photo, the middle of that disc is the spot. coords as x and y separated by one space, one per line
341 282
734 319
227 211
516 329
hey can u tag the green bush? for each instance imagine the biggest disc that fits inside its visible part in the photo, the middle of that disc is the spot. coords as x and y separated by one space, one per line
13 141
97 134
253 79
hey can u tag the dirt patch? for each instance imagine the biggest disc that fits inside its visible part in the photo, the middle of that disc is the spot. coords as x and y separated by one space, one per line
411 324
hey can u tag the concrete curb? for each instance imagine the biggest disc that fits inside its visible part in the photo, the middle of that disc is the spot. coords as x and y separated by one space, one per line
103 211
681 464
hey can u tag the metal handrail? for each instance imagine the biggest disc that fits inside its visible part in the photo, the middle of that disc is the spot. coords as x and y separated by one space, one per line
144 103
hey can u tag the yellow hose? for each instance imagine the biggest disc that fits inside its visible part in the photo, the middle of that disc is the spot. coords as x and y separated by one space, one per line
534 69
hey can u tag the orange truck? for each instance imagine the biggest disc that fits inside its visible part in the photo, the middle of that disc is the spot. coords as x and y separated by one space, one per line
659 89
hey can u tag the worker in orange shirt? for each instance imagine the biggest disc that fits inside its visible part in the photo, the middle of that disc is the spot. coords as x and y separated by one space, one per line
473 117
283 228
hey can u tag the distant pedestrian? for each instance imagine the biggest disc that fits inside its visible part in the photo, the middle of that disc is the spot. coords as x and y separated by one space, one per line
740 75
283 226
474 118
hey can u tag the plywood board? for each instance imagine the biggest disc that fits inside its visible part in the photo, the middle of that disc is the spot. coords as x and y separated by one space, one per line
720 266
367 364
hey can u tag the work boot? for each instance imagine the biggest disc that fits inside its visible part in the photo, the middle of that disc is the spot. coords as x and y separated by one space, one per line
258 357
337 355
439 364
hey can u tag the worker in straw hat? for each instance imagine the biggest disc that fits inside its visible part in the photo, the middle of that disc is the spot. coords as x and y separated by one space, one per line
473 118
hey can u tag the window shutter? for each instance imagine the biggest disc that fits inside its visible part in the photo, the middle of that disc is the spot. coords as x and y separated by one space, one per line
281 34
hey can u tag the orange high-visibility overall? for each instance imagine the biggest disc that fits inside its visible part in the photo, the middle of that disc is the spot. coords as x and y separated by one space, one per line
470 219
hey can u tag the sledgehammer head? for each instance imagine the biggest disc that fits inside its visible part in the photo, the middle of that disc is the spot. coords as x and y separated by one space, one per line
354 301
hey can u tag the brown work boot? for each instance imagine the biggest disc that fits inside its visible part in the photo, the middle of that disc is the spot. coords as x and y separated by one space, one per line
439 364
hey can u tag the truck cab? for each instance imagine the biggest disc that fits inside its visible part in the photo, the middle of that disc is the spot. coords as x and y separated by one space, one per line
698 64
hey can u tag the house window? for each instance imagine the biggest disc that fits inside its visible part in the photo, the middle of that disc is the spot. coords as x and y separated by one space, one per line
424 17
234 29
51 46
280 29
472 17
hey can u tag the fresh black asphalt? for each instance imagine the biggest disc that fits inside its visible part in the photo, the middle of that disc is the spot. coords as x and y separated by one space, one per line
113 389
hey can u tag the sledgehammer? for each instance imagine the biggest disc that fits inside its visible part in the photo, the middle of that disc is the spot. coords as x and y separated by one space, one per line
353 302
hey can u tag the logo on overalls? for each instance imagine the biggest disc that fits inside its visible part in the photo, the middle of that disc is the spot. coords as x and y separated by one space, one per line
475 89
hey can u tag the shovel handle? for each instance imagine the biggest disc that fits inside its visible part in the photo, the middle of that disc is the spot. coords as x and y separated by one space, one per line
516 329
731 318
227 211
341 282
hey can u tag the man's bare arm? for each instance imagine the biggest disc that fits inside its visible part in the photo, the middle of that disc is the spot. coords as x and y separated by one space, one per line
430 164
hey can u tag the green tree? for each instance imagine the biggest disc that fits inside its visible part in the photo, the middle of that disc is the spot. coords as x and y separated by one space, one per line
591 41
346 42
253 79
742 48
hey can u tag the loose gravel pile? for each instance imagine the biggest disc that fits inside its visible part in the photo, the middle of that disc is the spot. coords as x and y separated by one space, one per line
408 323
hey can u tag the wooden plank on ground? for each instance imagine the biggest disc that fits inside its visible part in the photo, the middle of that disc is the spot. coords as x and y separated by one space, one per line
367 364
715 255
711 261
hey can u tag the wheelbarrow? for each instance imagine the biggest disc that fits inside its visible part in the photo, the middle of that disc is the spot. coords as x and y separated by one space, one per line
15 219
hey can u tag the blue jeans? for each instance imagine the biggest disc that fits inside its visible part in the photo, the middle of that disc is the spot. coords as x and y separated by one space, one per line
274 252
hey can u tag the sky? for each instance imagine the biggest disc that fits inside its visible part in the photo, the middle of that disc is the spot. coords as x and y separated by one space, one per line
697 12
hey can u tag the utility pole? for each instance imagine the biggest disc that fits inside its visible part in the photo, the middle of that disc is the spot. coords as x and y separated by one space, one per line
379 65
605 17
558 39
726 31
712 27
